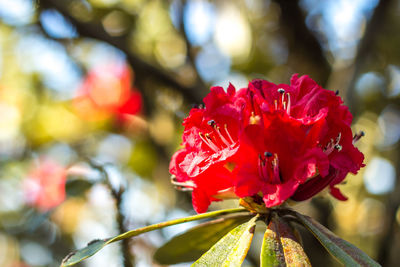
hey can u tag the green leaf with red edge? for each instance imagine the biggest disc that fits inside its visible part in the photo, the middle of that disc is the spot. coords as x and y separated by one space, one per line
232 249
96 245
190 245
345 252
281 247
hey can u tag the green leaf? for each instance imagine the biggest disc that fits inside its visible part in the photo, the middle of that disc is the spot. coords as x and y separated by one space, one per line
281 246
292 249
96 245
271 249
190 245
346 253
91 248
232 248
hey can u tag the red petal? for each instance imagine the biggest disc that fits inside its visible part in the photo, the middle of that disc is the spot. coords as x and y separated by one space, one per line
132 105
200 201
275 195
337 194
313 186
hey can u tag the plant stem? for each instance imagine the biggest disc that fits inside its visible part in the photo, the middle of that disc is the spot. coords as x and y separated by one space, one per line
127 257
174 222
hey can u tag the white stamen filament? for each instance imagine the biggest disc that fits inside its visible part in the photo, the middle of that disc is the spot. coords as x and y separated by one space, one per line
333 144
329 147
222 137
210 144
288 104
211 139
285 104
185 184
338 138
227 133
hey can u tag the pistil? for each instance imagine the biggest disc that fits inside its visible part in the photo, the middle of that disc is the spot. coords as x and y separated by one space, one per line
284 102
268 167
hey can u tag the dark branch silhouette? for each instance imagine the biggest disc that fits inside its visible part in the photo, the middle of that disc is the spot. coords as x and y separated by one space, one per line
378 19
303 45
142 68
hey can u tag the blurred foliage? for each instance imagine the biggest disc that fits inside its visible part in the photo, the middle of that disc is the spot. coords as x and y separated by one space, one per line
116 159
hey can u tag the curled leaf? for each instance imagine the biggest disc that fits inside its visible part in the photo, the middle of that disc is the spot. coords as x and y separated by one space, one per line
271 249
345 252
281 246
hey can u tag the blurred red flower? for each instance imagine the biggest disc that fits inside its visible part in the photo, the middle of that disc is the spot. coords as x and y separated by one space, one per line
44 186
266 140
107 90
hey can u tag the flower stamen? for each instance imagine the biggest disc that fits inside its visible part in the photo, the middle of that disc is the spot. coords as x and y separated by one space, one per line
221 136
269 167
227 133
333 145
254 119
214 125
358 136
338 147
284 102
217 139
210 144
283 99
275 166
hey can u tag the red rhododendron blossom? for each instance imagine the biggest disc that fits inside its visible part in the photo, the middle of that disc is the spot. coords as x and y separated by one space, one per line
44 186
271 141
210 140
108 89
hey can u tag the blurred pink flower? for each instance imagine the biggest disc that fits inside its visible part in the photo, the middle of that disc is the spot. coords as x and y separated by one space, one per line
44 187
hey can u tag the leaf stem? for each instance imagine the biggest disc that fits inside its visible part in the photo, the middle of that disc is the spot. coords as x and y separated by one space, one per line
149 228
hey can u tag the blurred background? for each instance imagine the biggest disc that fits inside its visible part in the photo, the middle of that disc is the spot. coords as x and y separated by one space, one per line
93 93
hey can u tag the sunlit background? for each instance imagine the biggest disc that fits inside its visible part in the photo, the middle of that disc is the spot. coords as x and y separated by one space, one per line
93 92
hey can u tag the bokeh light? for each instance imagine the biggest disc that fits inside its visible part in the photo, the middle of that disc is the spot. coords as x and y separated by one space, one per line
379 176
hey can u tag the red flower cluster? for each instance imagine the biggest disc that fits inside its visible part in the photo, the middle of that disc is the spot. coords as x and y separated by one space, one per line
107 90
267 140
